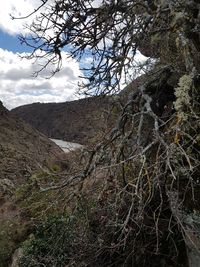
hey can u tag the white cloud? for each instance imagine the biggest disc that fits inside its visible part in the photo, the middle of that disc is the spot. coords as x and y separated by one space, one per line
19 87
17 84
16 8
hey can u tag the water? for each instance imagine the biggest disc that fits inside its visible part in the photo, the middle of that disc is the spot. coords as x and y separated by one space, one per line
66 146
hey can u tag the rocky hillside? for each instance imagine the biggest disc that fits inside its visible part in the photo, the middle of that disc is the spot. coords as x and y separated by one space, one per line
22 148
78 121
24 152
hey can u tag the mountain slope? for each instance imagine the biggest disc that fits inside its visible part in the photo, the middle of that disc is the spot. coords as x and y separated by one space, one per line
22 148
23 151
77 121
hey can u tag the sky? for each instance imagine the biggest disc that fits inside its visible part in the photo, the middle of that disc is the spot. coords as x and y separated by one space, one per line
18 86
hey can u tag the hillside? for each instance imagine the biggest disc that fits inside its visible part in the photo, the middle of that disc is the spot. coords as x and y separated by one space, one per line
77 121
22 148
23 152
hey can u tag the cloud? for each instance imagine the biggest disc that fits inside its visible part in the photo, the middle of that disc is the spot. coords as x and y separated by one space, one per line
16 8
17 84
19 87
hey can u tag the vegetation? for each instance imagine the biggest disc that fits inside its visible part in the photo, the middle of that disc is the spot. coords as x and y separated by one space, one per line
12 233
146 210
53 243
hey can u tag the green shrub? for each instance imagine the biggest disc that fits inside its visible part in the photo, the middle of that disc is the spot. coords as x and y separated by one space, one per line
53 244
12 232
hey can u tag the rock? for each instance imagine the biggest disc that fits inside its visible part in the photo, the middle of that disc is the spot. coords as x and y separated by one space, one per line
16 256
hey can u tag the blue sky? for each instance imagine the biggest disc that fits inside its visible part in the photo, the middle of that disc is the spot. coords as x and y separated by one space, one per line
12 43
17 84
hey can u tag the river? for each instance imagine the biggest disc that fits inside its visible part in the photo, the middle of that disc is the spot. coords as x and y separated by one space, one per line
66 146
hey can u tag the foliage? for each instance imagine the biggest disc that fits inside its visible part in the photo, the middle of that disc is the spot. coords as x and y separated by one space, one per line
12 232
90 237
33 202
52 244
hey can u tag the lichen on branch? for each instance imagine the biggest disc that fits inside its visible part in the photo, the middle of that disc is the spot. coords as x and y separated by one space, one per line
182 93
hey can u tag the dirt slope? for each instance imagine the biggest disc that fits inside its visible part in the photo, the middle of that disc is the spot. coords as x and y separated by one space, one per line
22 148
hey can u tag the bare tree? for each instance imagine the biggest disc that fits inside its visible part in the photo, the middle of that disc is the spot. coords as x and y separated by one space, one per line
152 154
110 33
